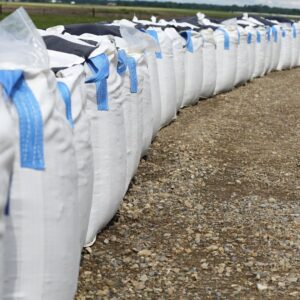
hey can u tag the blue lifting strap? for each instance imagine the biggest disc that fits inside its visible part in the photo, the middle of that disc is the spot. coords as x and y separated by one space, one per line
30 118
99 65
66 95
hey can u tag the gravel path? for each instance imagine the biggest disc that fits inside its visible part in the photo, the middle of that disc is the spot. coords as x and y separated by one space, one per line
214 211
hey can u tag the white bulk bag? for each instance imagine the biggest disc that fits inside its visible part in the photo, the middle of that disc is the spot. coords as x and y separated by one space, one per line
179 52
242 64
71 83
138 86
251 42
132 106
133 114
226 53
7 147
140 42
297 24
42 245
260 52
276 46
295 44
145 91
209 64
285 59
268 51
166 75
105 102
155 91
193 67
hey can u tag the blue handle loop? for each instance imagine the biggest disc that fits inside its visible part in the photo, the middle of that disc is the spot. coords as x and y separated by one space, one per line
249 38
258 37
239 37
133 74
154 35
187 35
283 32
30 118
66 95
294 31
275 34
99 65
226 38
122 62
269 31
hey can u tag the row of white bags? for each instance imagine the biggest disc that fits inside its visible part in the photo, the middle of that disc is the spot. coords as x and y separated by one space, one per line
78 114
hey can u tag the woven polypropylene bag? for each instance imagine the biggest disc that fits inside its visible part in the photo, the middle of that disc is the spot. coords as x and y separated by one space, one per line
73 78
42 246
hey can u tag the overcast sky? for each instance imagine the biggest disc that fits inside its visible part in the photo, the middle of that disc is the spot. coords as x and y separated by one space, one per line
277 3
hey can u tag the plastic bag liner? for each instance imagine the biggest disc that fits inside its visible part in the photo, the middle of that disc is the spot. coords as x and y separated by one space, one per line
137 41
18 32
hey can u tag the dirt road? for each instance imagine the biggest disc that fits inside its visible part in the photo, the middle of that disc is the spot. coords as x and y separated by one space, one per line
214 211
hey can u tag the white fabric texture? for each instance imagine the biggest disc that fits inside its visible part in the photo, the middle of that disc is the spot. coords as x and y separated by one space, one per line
251 51
145 97
166 76
179 53
260 53
295 44
155 91
209 64
226 60
193 70
285 59
276 46
7 141
242 64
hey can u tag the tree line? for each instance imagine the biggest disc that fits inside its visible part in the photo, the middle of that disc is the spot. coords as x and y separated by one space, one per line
226 8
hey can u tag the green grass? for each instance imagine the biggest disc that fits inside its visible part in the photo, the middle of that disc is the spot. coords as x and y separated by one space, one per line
46 15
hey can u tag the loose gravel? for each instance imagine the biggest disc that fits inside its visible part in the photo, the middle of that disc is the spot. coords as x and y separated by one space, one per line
214 211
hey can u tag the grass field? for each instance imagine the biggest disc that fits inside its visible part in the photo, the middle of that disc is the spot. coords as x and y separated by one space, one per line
46 15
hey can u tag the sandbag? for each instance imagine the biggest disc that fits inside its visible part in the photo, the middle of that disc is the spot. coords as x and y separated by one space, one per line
260 52
179 52
268 51
242 67
285 58
209 64
42 244
276 46
133 114
193 67
140 42
251 43
295 44
71 84
226 53
166 75
105 109
145 90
